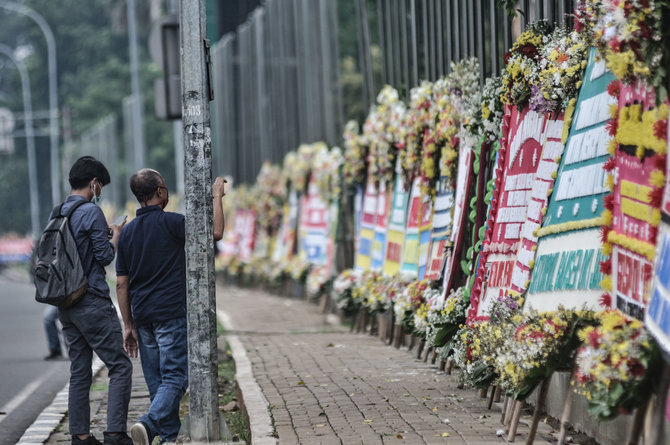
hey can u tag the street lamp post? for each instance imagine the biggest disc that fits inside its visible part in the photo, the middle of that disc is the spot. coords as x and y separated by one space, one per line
30 139
53 92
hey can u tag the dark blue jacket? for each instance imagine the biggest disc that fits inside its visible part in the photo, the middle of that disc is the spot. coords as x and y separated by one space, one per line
90 231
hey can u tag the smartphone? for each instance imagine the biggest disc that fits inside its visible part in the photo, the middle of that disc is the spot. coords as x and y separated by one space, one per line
118 221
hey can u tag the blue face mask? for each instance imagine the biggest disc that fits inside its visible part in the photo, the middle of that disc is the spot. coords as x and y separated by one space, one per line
96 198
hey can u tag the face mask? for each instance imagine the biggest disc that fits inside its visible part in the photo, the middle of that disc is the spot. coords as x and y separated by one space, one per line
96 198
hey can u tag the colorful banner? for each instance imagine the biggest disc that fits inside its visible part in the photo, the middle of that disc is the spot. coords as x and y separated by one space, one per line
657 318
442 228
284 246
381 226
410 251
456 234
543 181
15 250
396 228
367 231
572 222
635 216
245 224
425 229
313 226
523 134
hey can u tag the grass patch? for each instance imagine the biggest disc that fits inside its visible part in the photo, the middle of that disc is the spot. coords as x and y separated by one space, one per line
236 420
99 386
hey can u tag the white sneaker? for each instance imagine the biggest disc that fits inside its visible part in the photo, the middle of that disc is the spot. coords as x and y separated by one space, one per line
139 434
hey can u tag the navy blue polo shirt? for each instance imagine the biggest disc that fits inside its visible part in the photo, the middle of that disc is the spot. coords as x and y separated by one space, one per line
151 254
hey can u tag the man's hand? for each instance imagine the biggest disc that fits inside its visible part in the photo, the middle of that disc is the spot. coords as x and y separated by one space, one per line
218 189
130 341
116 228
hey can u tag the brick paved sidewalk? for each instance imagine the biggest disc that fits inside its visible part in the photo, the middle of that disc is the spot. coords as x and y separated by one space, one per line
326 385
139 404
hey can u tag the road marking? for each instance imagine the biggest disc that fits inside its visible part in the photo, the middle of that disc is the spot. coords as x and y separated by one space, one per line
22 396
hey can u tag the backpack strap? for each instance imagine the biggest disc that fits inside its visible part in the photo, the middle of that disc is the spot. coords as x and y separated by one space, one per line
73 208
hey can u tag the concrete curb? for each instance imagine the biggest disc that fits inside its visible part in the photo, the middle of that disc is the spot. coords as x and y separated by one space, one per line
260 421
49 419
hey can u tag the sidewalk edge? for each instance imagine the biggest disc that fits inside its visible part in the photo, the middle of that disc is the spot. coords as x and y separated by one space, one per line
260 421
52 416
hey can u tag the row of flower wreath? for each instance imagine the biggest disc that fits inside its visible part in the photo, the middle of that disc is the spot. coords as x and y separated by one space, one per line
615 361
613 357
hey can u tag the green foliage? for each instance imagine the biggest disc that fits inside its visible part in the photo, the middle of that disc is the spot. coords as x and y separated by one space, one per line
93 78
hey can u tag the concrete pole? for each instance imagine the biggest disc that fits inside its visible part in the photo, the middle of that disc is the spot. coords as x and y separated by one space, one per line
30 141
178 133
53 93
138 127
200 292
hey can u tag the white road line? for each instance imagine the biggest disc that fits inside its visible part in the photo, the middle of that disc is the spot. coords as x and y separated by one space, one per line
22 396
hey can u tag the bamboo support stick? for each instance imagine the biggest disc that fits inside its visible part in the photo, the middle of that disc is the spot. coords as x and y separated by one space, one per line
538 410
514 424
638 422
493 391
657 433
565 416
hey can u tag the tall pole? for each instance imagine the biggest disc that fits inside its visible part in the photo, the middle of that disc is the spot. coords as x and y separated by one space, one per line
53 93
30 140
200 293
138 127
178 132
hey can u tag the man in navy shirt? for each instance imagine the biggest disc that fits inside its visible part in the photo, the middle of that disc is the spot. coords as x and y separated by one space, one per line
92 324
151 289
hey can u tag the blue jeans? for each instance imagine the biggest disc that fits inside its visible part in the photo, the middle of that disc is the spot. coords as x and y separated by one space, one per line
164 353
92 324
49 317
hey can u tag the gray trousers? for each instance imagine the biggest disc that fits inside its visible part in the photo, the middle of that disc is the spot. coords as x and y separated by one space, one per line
92 325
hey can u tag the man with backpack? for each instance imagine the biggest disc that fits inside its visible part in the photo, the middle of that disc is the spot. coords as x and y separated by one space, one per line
91 324
151 289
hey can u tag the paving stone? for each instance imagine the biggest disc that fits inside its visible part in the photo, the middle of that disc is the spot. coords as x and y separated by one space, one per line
370 392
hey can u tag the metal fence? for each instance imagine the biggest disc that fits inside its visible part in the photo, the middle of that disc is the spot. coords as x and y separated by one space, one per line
276 85
419 38
277 77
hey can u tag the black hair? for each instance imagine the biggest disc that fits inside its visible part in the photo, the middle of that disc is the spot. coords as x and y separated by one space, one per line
84 170
145 183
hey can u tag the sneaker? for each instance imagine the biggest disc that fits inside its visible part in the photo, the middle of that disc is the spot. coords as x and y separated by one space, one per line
140 434
90 440
118 439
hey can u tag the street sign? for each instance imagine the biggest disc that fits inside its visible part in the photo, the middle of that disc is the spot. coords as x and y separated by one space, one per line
6 131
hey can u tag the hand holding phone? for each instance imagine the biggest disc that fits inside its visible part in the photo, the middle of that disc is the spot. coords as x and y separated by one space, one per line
120 220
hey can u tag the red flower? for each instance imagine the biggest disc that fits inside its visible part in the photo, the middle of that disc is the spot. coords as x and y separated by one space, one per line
655 197
615 44
594 338
614 88
604 232
610 164
606 300
612 126
661 129
608 202
606 267
506 57
529 51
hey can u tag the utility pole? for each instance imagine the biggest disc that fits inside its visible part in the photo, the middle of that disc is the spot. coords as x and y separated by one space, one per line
138 128
30 140
53 92
200 292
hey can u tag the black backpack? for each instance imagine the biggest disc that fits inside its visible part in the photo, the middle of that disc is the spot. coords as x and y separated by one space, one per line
59 276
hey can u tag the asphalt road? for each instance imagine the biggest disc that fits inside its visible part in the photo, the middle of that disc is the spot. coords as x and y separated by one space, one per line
28 384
